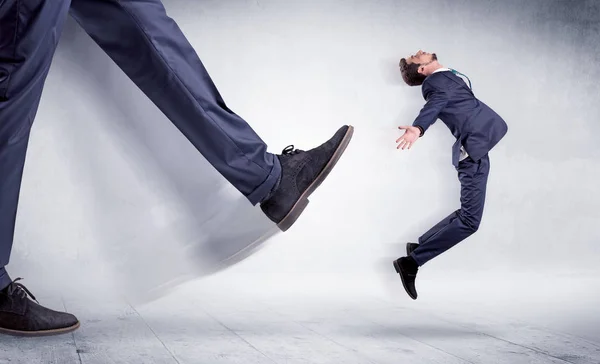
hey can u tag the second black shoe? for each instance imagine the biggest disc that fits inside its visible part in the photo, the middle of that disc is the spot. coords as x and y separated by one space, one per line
407 268
301 173
20 316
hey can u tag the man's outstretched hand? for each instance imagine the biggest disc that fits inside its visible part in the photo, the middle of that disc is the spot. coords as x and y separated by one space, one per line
411 134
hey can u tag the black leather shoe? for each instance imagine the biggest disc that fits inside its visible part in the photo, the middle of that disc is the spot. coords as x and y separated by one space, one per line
301 173
407 268
20 316
410 247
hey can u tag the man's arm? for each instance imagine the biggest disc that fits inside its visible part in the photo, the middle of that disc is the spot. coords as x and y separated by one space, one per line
436 101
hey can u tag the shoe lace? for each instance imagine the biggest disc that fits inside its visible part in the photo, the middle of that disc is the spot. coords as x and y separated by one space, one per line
290 150
19 290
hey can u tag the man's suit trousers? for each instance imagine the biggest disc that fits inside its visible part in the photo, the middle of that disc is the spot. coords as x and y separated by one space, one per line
149 47
463 222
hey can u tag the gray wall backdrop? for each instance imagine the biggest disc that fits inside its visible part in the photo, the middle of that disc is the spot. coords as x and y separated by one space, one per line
114 194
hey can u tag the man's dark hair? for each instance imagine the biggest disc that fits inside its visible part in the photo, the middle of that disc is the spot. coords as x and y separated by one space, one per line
410 73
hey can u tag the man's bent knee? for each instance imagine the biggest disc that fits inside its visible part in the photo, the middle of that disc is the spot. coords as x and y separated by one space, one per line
471 222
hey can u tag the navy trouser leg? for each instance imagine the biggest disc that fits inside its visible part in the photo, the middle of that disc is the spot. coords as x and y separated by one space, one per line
29 33
151 49
462 223
4 279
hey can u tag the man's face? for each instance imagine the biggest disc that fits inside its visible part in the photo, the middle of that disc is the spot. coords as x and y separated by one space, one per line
421 58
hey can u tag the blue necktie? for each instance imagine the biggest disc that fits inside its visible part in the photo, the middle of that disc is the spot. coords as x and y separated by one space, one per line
461 74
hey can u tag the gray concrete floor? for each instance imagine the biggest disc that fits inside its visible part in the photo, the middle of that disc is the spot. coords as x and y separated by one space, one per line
188 327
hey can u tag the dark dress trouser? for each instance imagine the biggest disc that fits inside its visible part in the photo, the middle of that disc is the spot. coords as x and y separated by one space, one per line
151 49
461 223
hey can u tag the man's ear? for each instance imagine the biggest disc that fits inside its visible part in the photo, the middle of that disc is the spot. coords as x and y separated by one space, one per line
421 69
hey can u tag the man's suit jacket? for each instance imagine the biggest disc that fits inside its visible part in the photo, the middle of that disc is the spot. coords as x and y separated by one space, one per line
474 124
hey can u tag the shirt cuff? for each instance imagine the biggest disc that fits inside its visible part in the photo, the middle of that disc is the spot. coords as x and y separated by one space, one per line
422 131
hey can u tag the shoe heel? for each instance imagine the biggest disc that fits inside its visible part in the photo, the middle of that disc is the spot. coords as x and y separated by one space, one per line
293 215
396 267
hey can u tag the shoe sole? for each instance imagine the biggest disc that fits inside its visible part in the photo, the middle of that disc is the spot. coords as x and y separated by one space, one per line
398 270
62 331
302 202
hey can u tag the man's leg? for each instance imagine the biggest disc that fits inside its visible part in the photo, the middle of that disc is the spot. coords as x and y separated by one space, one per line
462 223
454 228
29 33
151 49
4 278
12 161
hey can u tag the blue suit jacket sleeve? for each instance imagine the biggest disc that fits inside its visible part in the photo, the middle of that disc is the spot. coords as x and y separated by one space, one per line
436 101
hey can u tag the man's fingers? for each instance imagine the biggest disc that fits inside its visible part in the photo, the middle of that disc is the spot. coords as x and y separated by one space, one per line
403 127
403 143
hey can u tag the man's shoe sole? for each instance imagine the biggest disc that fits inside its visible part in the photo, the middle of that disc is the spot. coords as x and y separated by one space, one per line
62 331
399 271
302 202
